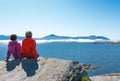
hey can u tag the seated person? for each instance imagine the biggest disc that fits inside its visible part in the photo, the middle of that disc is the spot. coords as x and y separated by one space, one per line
14 48
29 46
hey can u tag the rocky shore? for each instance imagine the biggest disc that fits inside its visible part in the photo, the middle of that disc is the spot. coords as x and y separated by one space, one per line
49 69
107 77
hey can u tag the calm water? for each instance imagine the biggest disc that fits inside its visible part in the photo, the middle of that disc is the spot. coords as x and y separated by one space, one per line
105 55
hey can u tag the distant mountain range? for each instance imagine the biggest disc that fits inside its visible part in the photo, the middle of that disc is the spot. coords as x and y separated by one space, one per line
7 37
55 37
91 37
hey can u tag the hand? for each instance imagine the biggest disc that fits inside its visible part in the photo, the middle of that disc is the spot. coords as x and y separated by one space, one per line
38 59
6 60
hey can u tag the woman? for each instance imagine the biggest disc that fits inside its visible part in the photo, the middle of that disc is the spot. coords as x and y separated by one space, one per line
14 48
29 46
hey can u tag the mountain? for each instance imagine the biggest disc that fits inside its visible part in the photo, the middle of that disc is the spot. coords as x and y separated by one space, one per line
56 37
3 37
91 37
7 37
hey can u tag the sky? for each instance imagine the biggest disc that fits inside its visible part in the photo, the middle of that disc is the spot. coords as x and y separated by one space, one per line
61 17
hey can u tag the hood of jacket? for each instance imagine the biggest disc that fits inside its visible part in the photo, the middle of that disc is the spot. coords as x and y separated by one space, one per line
12 43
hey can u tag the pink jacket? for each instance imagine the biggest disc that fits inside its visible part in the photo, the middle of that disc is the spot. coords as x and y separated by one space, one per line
14 48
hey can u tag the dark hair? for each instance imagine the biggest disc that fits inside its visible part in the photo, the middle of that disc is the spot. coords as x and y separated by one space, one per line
28 34
13 37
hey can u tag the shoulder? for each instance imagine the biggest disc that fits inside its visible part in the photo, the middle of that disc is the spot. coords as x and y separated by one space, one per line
10 43
18 43
24 40
33 40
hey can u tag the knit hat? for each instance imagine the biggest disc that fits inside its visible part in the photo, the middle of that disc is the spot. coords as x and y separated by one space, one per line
28 34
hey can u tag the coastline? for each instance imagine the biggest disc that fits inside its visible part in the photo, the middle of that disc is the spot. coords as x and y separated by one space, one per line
106 77
48 69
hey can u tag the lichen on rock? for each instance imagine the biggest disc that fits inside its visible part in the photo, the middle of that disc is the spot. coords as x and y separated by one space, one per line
75 72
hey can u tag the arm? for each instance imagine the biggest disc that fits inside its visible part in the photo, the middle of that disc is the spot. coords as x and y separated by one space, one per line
19 50
8 54
34 50
23 51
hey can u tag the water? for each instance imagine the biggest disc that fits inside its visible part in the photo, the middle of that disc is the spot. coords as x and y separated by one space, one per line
105 55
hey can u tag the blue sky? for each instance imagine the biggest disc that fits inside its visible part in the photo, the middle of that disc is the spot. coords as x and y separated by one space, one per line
61 17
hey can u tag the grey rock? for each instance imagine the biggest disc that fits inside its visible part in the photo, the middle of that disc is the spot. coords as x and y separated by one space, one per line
47 69
112 77
75 72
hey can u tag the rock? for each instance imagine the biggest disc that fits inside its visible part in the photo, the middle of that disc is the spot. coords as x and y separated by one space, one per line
89 66
75 72
47 69
108 77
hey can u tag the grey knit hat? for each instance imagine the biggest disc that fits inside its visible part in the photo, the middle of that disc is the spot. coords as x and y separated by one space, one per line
28 34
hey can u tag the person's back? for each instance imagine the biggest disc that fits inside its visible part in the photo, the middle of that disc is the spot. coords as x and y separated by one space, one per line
29 46
14 48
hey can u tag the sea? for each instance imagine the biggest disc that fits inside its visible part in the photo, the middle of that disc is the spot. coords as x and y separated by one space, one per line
107 56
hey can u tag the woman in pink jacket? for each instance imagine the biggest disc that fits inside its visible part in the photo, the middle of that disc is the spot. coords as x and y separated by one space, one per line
14 48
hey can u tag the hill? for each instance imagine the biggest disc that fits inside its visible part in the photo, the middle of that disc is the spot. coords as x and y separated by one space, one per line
55 37
7 37
92 37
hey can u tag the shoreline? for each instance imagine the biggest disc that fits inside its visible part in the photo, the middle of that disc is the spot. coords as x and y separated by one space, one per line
86 66
47 69
56 69
106 77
